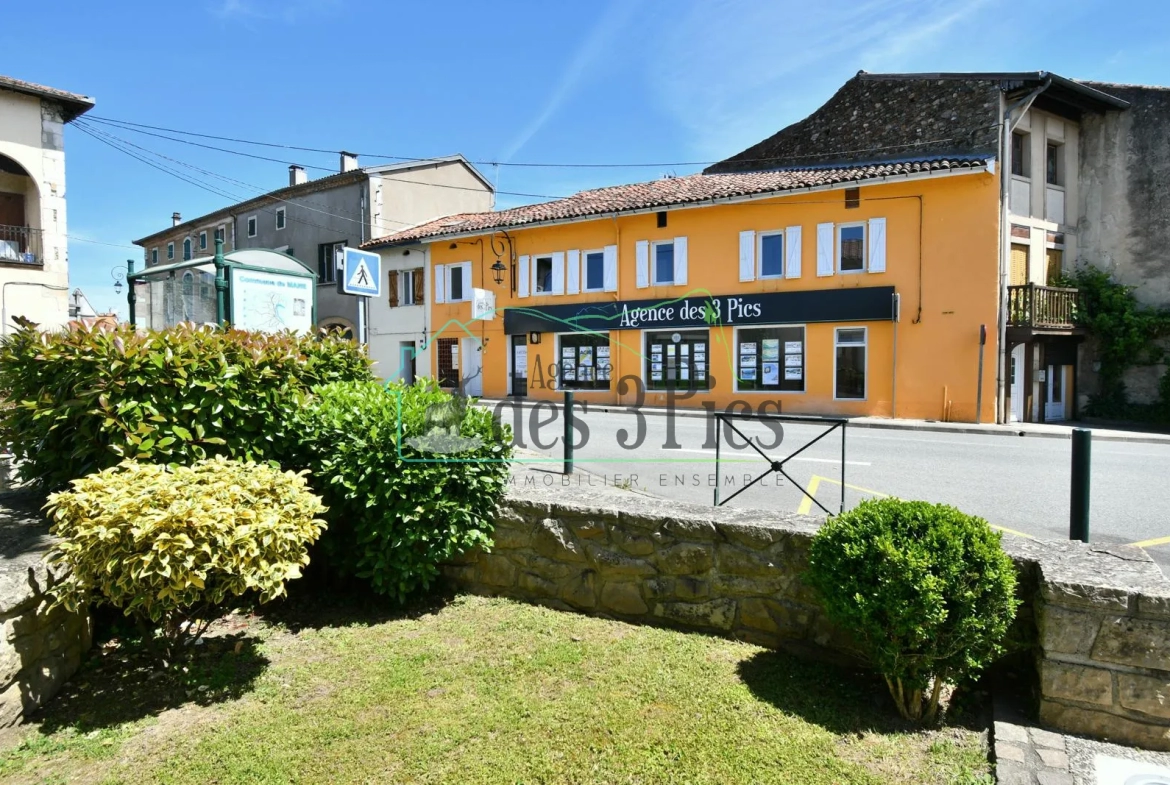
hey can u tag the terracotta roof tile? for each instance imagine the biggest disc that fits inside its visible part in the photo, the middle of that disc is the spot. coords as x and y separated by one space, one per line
664 193
73 103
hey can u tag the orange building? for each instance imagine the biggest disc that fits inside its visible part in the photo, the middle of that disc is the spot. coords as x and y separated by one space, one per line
853 290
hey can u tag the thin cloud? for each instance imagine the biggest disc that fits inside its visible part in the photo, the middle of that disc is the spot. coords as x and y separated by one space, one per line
734 71
586 56
272 10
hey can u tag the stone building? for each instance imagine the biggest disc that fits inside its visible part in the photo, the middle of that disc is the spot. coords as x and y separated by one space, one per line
34 256
312 219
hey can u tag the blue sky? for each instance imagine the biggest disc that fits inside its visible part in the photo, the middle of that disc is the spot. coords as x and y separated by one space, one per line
603 81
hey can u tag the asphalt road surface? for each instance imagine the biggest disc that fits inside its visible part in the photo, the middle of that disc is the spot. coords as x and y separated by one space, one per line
1019 484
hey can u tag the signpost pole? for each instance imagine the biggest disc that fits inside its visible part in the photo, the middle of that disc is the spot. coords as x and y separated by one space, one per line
362 324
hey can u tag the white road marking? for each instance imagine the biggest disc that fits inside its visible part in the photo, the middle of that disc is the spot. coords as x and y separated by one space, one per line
835 461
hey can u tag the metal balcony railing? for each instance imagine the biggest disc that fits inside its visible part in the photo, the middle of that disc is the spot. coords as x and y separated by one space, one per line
1053 307
20 245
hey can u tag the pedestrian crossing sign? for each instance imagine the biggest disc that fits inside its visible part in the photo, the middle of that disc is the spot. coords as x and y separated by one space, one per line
361 273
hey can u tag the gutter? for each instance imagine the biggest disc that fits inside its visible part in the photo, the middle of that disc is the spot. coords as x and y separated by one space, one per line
1005 180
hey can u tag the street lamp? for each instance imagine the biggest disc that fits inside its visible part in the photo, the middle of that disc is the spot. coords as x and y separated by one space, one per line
118 273
499 248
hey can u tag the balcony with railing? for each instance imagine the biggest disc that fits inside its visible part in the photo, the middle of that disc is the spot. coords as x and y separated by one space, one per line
1043 307
20 245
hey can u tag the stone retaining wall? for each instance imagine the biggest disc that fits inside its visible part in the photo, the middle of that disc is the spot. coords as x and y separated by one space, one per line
39 648
1099 617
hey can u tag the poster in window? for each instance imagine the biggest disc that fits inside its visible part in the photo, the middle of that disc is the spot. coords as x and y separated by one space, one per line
656 352
771 350
700 374
569 374
586 374
792 347
602 355
684 374
700 351
684 350
655 366
700 365
770 373
603 373
586 355
569 352
670 350
454 357
656 376
793 373
792 361
748 374
746 348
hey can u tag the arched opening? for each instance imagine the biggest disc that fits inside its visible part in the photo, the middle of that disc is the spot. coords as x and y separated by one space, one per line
20 239
337 328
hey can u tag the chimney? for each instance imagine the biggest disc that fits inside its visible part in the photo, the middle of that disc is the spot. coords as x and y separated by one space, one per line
348 161
296 175
176 219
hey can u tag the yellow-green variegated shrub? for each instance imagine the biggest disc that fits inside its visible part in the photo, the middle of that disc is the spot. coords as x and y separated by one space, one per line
176 546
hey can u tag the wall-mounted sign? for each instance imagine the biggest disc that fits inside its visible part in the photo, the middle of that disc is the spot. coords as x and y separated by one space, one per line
865 304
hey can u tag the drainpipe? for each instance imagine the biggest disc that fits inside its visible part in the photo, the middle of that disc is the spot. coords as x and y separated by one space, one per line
1005 233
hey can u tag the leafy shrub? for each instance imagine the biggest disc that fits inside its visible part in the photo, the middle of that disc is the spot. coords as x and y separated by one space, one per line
175 546
84 399
926 590
411 474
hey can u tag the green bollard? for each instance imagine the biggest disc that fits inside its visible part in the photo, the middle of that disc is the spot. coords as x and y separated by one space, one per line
1078 508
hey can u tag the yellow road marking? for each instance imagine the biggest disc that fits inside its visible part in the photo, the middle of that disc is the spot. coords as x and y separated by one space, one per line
807 502
806 506
1151 543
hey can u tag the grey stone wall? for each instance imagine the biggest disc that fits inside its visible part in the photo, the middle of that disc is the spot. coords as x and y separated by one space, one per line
39 648
875 119
1097 618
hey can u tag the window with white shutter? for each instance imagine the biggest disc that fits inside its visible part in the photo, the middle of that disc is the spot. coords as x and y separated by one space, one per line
522 284
572 272
558 272
611 268
747 256
825 263
771 254
792 251
440 283
877 245
642 264
680 261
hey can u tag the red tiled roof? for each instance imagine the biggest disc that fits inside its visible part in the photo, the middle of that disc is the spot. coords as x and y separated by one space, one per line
74 104
667 192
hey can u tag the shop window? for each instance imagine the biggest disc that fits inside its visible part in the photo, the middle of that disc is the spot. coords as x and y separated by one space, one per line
771 254
849 363
585 362
851 248
664 263
544 274
594 271
1020 154
770 358
678 360
448 362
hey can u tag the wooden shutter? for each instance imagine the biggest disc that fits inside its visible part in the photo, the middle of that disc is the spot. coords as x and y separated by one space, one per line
747 256
642 264
419 288
558 272
792 252
680 261
1018 275
392 285
825 263
611 271
522 284
877 245
573 272
440 283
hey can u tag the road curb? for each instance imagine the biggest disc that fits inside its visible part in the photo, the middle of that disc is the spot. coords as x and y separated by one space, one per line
890 425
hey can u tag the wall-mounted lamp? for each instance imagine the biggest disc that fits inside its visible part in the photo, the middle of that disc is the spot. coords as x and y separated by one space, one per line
502 250
498 272
534 337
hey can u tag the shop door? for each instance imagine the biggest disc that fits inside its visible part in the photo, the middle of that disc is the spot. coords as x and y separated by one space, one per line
472 368
520 365
1054 405
1016 380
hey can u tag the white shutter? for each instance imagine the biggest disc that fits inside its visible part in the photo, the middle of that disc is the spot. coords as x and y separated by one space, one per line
558 272
825 249
792 252
440 283
747 256
642 264
465 272
680 261
535 277
573 278
877 245
611 268
522 285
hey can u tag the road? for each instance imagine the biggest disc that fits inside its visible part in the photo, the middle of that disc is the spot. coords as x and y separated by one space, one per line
1019 484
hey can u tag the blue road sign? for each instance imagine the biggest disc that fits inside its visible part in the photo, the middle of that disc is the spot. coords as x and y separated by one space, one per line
361 273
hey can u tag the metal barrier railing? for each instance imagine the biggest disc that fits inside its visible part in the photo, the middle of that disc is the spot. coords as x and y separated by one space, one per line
777 466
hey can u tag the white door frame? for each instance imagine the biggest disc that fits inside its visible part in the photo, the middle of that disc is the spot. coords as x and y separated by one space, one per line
1054 410
471 367
1017 383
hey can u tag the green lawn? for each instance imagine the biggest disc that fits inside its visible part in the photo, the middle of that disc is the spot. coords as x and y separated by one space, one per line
477 691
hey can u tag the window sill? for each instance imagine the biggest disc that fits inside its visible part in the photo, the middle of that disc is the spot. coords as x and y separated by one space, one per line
852 272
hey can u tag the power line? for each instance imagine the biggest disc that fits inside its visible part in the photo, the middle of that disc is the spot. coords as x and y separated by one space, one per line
311 166
128 125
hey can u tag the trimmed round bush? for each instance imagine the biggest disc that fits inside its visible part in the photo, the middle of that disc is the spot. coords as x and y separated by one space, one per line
411 473
174 547
86 398
926 591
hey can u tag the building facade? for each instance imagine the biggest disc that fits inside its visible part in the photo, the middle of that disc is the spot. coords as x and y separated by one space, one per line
34 255
312 220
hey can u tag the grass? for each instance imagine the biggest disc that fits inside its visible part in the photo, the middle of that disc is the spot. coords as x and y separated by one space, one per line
477 691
